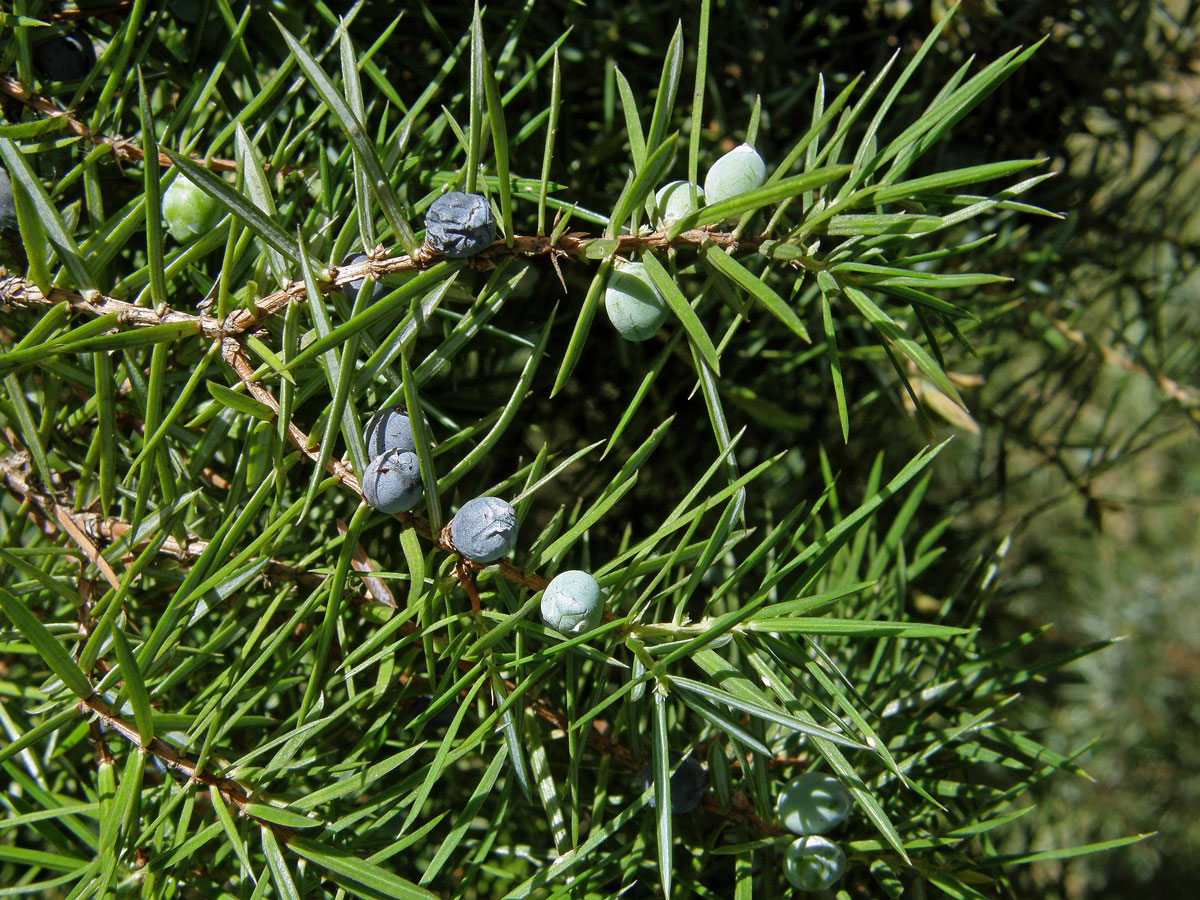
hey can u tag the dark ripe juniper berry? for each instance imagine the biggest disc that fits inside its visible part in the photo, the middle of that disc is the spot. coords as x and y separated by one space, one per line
459 224
350 291
389 429
8 208
66 57
392 482
485 529
688 784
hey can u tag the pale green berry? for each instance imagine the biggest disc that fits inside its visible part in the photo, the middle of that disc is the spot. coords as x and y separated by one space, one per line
572 602
813 863
634 305
738 171
189 211
813 803
674 201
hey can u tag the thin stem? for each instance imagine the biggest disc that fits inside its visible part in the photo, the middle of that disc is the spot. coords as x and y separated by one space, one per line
17 291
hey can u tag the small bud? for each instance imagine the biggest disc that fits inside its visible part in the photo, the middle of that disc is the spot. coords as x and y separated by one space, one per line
813 863
484 529
635 674
459 224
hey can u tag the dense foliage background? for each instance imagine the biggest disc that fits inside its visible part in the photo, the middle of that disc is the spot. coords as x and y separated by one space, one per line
479 754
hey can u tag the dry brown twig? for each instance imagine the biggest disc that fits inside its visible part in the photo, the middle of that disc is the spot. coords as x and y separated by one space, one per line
1182 394
235 793
19 292
19 485
123 149
77 527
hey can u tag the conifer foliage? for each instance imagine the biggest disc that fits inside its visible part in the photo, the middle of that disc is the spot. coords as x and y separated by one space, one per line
227 674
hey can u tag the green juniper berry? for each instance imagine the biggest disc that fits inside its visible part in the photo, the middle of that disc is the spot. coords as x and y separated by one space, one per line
814 863
738 171
190 212
633 303
573 602
813 803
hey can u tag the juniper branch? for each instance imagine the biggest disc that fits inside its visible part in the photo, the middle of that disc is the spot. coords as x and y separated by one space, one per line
20 292
238 794
123 148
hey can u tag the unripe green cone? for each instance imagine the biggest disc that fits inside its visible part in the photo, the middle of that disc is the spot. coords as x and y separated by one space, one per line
674 201
813 803
813 863
189 211
634 305
738 171
572 602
